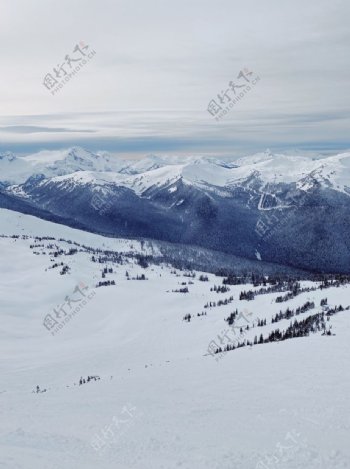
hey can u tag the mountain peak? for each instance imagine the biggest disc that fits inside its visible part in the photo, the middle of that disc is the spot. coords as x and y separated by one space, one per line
7 156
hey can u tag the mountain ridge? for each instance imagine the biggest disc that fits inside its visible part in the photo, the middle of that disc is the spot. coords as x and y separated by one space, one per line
290 210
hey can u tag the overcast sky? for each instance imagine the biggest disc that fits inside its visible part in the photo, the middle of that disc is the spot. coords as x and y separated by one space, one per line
158 64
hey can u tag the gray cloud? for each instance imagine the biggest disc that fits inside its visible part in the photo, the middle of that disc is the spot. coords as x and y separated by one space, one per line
158 64
32 129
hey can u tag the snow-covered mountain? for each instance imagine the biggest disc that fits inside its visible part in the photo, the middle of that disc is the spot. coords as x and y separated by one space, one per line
13 169
285 209
16 169
333 171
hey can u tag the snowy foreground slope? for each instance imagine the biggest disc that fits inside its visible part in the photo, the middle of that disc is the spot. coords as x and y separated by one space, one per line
161 400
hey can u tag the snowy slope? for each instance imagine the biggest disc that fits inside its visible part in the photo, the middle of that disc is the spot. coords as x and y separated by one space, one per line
14 223
333 170
162 400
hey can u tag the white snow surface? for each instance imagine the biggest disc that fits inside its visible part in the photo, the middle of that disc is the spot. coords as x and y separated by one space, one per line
162 400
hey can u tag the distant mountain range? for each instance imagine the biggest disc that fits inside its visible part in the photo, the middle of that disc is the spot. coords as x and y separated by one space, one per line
290 210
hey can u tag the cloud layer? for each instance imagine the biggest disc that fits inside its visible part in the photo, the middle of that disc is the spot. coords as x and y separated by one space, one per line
159 63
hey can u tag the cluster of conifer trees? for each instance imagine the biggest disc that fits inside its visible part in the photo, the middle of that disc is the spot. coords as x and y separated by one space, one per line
297 328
